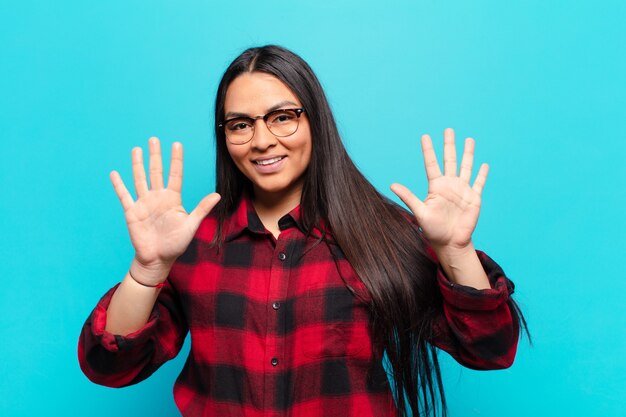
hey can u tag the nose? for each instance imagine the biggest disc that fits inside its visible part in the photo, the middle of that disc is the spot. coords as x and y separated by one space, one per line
262 138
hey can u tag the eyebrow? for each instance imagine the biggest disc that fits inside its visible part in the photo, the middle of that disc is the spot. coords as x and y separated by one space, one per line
276 106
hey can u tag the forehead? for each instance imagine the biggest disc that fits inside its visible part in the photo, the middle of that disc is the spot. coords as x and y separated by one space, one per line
255 92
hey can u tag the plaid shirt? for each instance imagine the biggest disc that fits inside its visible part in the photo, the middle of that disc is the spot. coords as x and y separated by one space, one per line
275 331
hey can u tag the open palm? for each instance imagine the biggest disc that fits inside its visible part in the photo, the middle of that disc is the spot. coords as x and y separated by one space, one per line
449 213
160 229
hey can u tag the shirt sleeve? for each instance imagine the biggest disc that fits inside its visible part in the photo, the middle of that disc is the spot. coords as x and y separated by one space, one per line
479 328
117 361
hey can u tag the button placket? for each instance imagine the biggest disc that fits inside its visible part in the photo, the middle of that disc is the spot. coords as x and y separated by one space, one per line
276 297
282 256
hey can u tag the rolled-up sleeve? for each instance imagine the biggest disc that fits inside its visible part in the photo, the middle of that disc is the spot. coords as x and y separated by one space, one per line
117 361
478 327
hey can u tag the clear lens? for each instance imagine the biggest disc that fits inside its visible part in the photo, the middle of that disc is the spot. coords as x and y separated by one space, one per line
282 122
239 130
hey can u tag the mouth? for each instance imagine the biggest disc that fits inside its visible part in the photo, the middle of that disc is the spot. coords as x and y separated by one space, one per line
269 166
270 161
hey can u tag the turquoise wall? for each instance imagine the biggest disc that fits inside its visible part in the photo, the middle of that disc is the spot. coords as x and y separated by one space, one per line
541 86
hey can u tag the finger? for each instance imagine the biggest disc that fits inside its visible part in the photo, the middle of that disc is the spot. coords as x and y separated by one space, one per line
203 209
175 181
481 178
413 203
139 172
449 153
468 161
430 159
120 189
156 164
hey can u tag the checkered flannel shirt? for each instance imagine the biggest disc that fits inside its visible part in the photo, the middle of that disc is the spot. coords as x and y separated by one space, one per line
275 331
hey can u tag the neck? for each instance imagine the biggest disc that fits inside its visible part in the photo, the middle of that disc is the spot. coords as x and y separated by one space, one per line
270 207
275 205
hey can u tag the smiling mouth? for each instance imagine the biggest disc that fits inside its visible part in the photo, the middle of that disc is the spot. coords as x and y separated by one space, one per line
268 161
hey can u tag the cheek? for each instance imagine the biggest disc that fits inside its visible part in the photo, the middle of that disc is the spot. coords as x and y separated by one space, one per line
306 157
305 146
237 154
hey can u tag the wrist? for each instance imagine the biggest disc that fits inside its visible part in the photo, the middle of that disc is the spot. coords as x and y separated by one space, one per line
451 253
149 275
462 266
143 284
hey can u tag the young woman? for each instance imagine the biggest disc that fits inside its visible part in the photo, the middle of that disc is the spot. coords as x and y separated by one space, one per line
297 277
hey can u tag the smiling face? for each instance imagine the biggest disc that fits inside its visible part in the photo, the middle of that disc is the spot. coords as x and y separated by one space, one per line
274 165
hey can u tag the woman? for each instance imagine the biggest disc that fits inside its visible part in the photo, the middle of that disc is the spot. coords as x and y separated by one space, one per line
297 275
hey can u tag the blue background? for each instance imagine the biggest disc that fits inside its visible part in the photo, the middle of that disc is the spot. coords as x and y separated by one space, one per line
540 85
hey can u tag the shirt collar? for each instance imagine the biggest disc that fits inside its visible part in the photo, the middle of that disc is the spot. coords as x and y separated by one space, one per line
245 218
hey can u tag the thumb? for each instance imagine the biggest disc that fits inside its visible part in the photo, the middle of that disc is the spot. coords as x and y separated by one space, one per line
203 208
413 203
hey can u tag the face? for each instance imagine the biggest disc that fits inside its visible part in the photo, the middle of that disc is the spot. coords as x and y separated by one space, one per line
274 165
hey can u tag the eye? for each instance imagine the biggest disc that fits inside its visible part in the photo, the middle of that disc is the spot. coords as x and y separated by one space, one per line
282 116
238 125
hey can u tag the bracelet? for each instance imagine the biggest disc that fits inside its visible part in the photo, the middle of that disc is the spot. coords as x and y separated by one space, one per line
161 285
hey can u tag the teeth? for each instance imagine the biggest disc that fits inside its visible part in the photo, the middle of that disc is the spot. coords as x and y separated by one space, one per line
269 161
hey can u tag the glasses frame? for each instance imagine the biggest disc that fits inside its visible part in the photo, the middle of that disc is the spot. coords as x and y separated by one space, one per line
265 117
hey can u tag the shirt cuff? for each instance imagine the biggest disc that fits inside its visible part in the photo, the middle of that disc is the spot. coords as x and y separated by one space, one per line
113 342
467 298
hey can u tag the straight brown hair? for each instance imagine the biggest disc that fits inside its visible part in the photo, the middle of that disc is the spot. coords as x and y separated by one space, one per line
376 235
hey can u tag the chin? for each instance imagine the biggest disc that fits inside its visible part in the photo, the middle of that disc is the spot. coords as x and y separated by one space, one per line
277 187
273 188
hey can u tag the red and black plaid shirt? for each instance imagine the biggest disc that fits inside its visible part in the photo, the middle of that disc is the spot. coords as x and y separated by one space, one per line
275 331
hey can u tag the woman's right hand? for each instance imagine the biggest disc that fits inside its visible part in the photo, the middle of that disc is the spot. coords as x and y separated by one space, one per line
160 229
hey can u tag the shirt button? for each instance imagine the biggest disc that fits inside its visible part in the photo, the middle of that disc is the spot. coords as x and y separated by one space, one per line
274 361
282 256
275 305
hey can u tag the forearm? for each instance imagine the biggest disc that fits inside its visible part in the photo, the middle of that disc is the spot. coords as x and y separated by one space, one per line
132 303
478 328
130 333
463 267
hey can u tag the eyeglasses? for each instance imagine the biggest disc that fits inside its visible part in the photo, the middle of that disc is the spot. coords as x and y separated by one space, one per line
281 123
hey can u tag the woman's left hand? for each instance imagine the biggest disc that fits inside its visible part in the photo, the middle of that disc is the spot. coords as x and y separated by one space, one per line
449 214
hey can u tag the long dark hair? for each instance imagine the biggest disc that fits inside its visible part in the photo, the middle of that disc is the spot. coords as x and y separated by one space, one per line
375 235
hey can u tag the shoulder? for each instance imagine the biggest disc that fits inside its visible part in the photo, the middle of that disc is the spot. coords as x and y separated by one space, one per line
408 228
221 223
202 247
208 228
399 212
